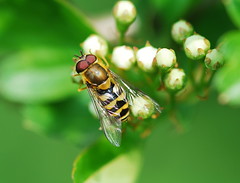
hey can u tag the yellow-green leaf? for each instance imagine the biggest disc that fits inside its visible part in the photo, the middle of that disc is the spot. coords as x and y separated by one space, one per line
104 163
227 80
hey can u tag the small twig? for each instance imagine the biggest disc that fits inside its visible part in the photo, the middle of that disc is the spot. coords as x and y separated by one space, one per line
191 75
208 83
121 38
172 113
203 76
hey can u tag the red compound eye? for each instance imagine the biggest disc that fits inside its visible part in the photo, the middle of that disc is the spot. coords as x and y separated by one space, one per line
81 66
91 58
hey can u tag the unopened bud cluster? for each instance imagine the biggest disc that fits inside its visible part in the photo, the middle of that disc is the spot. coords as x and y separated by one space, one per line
151 59
196 47
148 58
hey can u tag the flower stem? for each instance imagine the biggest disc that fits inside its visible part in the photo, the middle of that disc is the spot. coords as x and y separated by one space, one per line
203 76
191 65
172 113
208 83
121 37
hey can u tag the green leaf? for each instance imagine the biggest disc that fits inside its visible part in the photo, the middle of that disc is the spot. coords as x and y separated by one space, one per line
104 163
91 7
69 120
6 17
227 80
36 76
43 23
36 63
178 8
38 118
233 9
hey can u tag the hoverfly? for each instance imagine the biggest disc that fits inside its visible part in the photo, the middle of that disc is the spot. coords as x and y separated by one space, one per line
112 97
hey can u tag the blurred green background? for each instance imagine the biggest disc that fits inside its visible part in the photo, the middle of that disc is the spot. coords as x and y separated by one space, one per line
45 123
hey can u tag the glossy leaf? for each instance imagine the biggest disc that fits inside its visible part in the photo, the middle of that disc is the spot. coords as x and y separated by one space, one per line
104 163
36 63
30 77
233 9
178 8
69 120
227 80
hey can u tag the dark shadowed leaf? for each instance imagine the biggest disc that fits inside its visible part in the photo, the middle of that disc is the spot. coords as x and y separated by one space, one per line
69 120
178 8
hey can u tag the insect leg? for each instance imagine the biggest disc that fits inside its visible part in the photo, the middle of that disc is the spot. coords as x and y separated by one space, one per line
105 62
76 78
81 89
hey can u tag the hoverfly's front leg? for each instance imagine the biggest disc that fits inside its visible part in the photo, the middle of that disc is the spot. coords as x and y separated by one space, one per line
76 78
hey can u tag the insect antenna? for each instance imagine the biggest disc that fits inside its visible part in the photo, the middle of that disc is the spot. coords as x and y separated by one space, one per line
81 55
81 52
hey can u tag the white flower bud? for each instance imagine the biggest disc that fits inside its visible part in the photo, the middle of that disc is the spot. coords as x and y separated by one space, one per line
196 47
175 79
165 58
181 30
142 107
145 57
124 12
123 57
214 59
96 45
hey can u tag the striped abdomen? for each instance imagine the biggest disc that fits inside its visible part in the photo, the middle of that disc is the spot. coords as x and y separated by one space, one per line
113 98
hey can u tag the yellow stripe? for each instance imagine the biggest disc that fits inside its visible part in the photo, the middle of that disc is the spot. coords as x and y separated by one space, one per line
120 110
121 97
113 103
106 85
126 115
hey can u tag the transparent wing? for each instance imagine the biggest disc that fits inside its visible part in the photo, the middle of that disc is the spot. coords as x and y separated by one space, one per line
133 92
111 126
